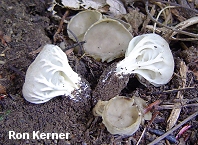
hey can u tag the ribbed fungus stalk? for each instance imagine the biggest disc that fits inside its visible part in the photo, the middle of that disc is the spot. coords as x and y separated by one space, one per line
50 75
150 58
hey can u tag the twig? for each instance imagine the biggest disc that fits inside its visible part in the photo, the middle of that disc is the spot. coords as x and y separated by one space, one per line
183 39
175 113
147 126
79 43
60 25
2 62
16 70
186 100
74 45
172 91
145 24
174 128
141 136
162 107
174 4
169 138
152 105
171 28
179 89
184 24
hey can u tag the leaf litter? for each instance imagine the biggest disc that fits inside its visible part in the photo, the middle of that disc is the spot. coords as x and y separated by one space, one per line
180 95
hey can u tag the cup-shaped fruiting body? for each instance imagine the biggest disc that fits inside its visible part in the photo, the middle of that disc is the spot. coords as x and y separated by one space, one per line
122 115
80 23
126 25
149 57
49 76
106 40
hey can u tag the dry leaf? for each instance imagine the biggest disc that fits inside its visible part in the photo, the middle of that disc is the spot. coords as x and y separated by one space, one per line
116 7
69 51
135 19
73 4
176 110
95 4
2 89
196 3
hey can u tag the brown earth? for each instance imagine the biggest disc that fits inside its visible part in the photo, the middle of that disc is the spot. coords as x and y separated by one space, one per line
30 26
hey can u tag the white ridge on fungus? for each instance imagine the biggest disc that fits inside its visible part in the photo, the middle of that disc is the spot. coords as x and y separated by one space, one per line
49 76
149 57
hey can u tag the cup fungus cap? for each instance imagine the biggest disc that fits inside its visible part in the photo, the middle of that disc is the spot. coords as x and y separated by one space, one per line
106 40
149 57
49 76
80 23
122 115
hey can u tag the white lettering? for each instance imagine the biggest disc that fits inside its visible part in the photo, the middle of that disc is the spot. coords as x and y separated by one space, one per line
18 136
26 135
11 135
48 135
61 136
43 136
35 135
54 135
67 135
38 135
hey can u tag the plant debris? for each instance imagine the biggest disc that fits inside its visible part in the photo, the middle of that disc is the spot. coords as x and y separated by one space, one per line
27 26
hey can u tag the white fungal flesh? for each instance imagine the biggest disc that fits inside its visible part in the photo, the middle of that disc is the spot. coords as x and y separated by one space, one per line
49 76
150 57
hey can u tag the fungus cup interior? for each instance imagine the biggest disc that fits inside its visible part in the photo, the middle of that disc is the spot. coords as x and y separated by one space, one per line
80 23
121 112
106 40
122 115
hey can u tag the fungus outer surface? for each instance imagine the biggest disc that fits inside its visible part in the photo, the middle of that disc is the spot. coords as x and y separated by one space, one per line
49 76
149 57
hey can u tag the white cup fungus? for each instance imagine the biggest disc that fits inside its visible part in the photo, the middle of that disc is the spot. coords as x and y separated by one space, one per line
106 40
80 23
49 76
122 115
149 57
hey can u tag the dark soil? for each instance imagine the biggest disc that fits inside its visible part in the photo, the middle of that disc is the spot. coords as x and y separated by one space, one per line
30 27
